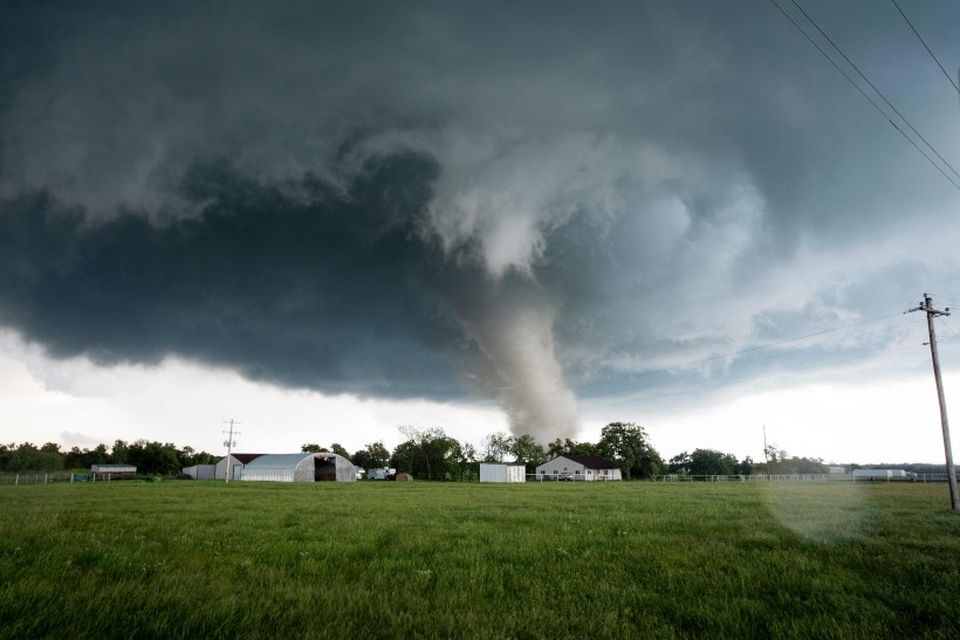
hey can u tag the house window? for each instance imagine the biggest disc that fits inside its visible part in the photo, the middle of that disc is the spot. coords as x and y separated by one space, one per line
554 472
578 471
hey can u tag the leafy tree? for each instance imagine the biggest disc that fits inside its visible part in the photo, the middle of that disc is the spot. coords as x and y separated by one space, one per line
408 458
118 454
338 449
709 462
312 447
562 447
467 462
497 446
97 455
626 444
427 453
27 457
794 464
373 456
679 464
779 462
154 458
527 451
6 453
379 454
188 457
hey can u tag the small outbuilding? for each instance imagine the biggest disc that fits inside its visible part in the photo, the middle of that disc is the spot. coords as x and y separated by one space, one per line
299 467
578 467
494 472
112 472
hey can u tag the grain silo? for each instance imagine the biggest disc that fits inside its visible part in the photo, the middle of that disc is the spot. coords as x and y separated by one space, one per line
299 467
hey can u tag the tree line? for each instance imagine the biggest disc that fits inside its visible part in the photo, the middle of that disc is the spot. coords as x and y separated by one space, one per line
432 454
150 458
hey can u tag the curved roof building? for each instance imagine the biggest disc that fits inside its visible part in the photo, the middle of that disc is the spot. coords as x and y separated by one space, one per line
299 467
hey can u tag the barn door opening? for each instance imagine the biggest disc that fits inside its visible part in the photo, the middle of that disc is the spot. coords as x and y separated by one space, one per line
325 469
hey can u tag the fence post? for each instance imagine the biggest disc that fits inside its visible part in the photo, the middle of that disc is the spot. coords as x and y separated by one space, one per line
17 481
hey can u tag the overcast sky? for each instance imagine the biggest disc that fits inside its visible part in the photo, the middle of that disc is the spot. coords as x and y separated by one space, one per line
329 220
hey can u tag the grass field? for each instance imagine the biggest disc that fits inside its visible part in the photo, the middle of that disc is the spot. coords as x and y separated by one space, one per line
400 560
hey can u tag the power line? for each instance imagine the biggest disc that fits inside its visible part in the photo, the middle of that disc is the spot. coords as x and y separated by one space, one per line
864 94
874 87
925 46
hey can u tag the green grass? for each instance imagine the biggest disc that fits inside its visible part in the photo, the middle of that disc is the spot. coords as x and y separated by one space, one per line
401 560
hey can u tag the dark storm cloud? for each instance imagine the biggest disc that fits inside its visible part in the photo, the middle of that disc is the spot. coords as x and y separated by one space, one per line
317 289
313 288
508 195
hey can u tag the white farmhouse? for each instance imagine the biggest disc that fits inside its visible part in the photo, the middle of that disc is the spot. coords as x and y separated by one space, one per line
575 466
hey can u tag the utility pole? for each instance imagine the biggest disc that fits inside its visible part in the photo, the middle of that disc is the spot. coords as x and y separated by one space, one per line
766 457
230 443
927 307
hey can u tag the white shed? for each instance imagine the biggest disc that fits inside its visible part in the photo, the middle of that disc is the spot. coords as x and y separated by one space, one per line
493 472
579 467
299 467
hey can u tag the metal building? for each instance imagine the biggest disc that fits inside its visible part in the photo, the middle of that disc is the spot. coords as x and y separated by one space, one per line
113 471
200 471
299 467
493 472
234 463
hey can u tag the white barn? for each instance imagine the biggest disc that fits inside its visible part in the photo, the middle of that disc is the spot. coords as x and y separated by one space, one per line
299 467
493 472
575 466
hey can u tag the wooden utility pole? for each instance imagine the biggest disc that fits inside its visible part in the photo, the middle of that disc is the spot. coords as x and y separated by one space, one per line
230 443
927 307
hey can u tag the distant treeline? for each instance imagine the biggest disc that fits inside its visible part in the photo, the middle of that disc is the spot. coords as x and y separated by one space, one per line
150 458
432 454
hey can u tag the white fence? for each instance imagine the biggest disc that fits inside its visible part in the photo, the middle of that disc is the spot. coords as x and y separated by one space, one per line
803 477
549 477
34 477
